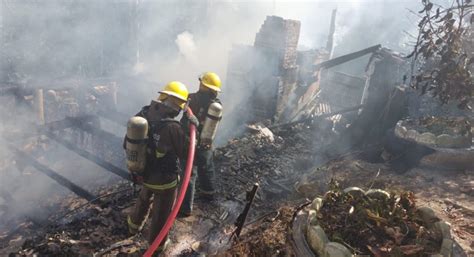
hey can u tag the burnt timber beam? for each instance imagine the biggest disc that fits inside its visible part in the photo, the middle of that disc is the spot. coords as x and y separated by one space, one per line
9 90
240 222
325 115
345 58
26 158
114 116
100 133
68 122
89 156
87 123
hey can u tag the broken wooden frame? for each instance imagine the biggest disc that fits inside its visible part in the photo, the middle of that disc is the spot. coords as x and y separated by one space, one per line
87 123
326 115
346 58
26 158
312 91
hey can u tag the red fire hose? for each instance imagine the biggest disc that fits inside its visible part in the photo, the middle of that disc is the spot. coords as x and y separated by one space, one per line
182 192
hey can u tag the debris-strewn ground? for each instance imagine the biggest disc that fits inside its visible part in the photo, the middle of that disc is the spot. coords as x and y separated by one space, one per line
79 228
273 160
284 163
268 237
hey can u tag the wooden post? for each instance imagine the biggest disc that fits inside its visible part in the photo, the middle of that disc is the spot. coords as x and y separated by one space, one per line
39 106
332 29
113 92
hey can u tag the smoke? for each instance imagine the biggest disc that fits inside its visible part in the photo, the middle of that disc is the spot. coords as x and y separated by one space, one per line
144 44
187 47
162 41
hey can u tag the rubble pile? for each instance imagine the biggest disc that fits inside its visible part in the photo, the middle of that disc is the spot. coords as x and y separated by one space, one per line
267 238
275 161
81 228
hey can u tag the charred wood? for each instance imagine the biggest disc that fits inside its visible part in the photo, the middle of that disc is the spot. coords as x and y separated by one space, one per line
326 115
345 58
114 116
26 158
89 156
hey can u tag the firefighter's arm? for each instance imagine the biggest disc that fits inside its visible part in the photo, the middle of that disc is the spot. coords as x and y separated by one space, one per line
191 118
186 121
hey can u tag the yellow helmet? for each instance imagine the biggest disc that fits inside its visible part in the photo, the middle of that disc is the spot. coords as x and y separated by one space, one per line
177 91
211 81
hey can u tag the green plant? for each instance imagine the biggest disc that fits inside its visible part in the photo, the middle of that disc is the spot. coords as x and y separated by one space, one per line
441 53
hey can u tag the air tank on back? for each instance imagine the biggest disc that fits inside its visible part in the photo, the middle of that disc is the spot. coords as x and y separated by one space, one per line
136 143
209 129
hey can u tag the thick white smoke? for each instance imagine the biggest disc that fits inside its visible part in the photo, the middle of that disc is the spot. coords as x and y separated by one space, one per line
187 47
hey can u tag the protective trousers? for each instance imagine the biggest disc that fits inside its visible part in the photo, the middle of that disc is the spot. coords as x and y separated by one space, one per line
204 167
163 201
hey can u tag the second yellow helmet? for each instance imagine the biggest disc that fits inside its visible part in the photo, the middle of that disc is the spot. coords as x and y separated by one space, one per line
211 80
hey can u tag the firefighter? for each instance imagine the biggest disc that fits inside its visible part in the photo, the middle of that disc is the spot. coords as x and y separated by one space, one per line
199 103
165 147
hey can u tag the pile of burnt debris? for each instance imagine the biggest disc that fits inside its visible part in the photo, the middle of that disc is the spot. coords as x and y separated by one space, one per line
275 160
80 228
267 237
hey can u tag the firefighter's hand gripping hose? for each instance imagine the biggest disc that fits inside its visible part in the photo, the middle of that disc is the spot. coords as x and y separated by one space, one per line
187 175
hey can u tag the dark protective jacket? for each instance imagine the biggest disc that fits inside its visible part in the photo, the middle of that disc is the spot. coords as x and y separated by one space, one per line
165 147
199 103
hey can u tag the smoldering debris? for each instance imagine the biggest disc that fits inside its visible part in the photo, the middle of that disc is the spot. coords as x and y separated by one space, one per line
82 228
242 162
274 164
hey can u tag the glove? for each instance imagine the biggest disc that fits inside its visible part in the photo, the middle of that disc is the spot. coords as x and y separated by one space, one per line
192 119
205 146
136 179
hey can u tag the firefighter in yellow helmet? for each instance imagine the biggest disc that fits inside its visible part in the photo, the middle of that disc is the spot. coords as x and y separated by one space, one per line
199 103
165 147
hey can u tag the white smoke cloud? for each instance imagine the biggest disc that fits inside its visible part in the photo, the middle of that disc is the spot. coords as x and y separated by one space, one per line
187 47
